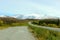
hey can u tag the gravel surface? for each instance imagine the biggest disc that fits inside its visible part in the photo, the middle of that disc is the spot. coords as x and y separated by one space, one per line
16 33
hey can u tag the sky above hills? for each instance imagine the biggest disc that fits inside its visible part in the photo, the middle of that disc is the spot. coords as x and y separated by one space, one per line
26 7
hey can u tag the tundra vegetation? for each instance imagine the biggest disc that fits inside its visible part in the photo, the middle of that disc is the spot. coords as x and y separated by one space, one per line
45 34
48 23
6 22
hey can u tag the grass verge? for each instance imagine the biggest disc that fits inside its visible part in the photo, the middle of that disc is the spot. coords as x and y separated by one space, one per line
13 25
44 34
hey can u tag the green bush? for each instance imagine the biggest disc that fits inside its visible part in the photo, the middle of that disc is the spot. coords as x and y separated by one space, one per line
43 24
48 22
52 25
1 22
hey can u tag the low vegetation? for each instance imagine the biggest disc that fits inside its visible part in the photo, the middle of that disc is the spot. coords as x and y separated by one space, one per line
48 23
6 22
44 34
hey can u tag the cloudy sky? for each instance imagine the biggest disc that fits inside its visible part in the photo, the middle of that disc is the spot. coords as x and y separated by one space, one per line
40 7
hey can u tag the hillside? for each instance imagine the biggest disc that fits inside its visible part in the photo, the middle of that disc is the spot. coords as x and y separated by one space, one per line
48 22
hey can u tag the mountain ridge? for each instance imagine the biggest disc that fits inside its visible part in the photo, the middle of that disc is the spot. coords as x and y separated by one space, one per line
30 16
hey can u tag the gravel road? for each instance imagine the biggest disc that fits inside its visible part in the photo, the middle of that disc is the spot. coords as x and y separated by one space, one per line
16 33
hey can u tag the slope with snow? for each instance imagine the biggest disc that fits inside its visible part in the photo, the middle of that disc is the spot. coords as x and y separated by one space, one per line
31 16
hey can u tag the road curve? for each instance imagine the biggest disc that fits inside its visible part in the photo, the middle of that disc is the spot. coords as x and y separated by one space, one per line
16 33
44 27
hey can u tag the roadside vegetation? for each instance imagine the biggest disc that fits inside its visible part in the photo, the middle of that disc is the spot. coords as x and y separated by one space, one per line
6 22
44 34
48 23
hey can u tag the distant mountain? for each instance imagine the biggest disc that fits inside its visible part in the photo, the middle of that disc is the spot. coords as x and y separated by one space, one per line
30 16
34 16
18 16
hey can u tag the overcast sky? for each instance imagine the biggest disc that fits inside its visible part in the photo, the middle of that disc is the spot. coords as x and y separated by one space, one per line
42 7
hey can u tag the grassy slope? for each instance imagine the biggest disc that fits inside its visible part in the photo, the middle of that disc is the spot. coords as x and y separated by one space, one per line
48 23
43 34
